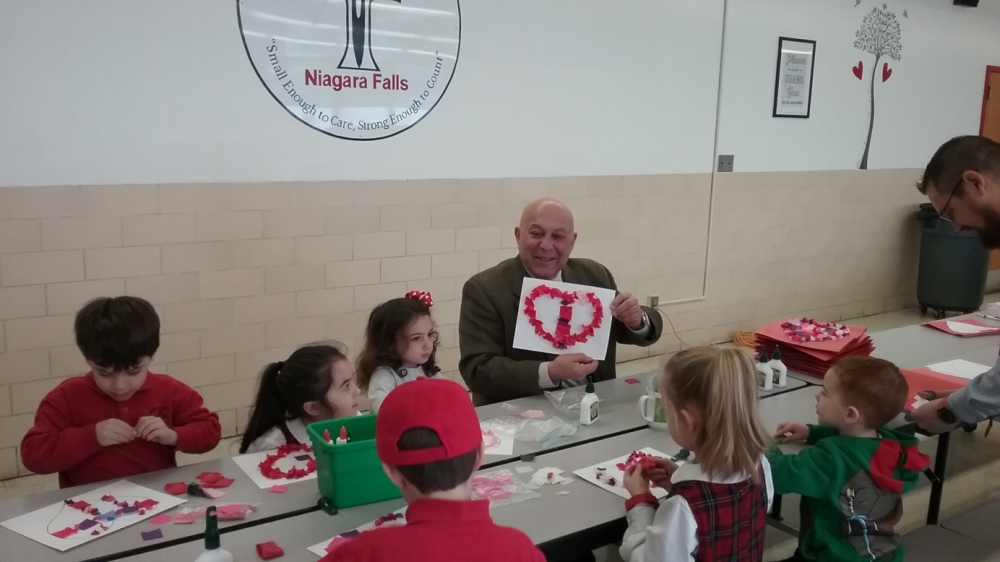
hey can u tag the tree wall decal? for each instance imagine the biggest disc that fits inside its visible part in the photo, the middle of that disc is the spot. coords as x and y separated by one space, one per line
879 35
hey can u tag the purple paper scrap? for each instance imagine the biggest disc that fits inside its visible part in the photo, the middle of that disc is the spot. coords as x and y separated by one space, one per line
152 535
87 523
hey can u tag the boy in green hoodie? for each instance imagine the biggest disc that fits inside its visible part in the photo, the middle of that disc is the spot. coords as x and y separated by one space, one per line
852 478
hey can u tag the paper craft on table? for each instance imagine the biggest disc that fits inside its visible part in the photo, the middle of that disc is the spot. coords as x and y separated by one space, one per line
959 368
549 475
966 328
153 535
62 527
610 476
497 442
559 318
250 464
396 518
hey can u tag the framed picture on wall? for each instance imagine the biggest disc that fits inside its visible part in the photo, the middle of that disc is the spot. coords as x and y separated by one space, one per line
794 77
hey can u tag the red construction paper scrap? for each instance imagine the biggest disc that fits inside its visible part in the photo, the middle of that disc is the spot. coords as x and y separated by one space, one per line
68 531
176 488
81 505
146 504
269 550
222 482
632 381
923 379
336 543
209 476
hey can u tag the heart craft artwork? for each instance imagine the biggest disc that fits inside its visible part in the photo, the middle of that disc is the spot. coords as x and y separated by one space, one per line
269 470
810 330
563 338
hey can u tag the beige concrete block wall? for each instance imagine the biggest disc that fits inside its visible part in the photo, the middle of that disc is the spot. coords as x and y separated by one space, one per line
241 274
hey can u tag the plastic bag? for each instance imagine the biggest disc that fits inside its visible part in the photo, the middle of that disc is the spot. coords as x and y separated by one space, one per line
501 487
224 512
568 400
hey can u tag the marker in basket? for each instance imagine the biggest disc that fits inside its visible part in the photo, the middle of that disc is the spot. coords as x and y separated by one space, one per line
326 436
343 436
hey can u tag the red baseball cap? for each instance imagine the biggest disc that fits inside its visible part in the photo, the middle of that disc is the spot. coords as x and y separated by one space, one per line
438 404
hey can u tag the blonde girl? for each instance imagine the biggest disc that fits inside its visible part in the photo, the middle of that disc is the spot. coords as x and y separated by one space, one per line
718 501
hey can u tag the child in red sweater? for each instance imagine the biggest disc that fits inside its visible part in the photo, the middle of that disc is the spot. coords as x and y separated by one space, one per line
119 419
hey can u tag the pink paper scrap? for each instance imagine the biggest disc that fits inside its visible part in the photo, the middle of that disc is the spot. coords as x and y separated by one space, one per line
632 381
533 414
278 489
213 493
161 520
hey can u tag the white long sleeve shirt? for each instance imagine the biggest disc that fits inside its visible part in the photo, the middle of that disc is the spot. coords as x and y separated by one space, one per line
385 379
669 533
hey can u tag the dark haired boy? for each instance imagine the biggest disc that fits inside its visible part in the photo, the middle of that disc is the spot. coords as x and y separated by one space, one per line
852 477
428 438
119 419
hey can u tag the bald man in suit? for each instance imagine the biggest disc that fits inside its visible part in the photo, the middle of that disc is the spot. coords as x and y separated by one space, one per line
490 365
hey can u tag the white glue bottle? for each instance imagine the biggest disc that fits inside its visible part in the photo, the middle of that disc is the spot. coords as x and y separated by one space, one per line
213 549
779 368
764 369
589 404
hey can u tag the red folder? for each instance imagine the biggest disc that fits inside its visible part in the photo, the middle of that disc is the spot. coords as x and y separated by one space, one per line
943 326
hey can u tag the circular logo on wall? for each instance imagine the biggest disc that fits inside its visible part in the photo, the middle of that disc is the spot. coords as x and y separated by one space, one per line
353 69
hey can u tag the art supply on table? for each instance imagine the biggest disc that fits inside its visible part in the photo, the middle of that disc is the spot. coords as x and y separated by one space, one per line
343 438
269 550
779 368
589 405
610 474
765 374
213 544
326 436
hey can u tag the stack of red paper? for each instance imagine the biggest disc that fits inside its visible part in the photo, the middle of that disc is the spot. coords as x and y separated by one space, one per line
812 357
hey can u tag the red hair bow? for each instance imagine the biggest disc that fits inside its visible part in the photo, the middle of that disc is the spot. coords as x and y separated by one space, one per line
422 296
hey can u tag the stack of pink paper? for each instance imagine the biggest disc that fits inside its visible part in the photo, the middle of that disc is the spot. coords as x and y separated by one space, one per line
813 357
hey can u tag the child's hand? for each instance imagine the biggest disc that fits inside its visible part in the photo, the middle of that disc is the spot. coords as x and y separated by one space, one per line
113 431
791 432
635 481
661 472
153 429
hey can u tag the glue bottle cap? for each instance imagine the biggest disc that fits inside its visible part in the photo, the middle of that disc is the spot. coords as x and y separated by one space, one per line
590 385
763 357
777 354
211 529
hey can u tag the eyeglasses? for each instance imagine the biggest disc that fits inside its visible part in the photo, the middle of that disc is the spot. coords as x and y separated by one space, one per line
947 203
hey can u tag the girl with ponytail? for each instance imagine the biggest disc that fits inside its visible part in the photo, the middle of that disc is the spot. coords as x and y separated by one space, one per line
315 383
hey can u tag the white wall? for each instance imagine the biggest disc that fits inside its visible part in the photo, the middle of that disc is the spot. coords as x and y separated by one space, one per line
137 91
934 93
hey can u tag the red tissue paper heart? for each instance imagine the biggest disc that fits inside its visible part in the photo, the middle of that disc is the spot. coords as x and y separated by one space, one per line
563 338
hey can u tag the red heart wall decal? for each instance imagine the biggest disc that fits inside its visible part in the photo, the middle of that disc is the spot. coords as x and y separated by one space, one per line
563 338
859 70
886 71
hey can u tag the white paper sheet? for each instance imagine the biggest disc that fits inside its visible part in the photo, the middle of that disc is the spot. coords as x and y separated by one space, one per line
39 524
497 442
610 470
320 549
547 311
959 368
249 464
963 328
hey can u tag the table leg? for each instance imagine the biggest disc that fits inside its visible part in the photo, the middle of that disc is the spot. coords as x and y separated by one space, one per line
937 483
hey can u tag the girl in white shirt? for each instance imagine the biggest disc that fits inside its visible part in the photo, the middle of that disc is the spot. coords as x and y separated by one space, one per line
717 503
400 343
315 383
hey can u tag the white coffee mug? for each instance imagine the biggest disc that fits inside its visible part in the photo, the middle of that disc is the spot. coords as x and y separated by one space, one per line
651 406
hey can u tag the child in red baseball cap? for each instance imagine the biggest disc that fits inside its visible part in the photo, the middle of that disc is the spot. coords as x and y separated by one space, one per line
428 438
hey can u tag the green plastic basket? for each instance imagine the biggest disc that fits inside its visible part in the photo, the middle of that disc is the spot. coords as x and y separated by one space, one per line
350 474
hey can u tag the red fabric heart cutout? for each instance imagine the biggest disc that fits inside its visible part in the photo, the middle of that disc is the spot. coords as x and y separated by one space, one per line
563 338
859 70
886 71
